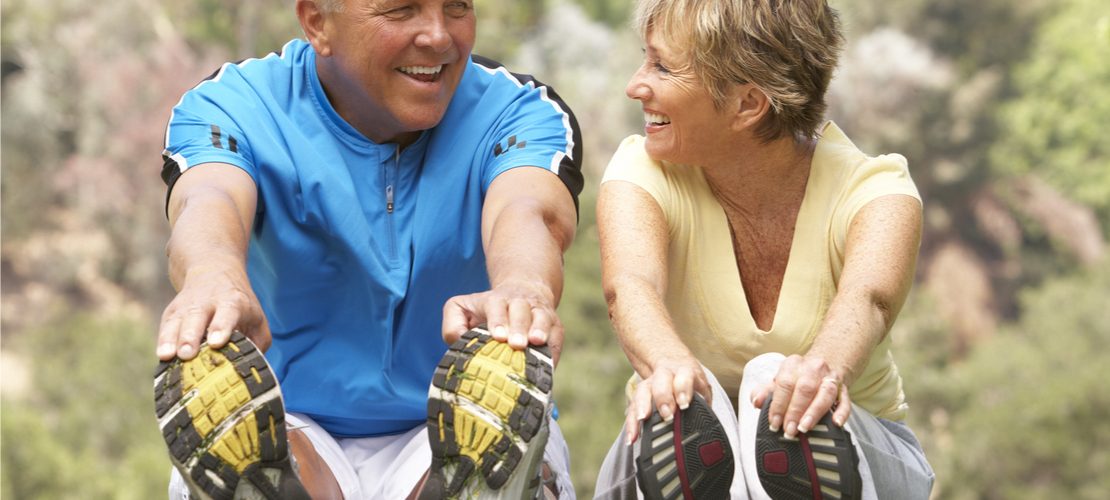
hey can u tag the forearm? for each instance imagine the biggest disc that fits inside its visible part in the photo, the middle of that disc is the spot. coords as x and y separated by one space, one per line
643 326
207 236
853 327
525 248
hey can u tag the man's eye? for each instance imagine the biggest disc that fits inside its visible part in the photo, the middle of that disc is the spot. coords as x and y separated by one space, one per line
398 13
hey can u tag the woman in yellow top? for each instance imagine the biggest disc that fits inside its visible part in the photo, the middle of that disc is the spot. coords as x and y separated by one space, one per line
754 261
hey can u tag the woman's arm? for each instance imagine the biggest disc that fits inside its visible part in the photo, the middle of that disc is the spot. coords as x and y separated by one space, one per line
880 257
634 244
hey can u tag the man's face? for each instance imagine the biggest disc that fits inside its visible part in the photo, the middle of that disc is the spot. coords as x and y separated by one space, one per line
392 65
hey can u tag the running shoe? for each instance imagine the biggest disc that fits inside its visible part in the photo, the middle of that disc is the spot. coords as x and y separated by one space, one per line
223 420
488 410
688 457
819 464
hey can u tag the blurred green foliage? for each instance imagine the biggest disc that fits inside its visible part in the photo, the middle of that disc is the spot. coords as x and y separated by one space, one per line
1056 124
86 428
1024 415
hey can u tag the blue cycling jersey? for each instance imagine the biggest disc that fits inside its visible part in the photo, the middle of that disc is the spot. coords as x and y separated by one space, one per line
356 246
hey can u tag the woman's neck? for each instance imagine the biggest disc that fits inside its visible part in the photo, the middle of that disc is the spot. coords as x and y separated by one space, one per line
754 177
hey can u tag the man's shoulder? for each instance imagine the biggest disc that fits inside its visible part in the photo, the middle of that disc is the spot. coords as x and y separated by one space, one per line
264 73
493 73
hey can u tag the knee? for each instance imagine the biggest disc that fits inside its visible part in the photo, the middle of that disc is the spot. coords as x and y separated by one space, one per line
763 366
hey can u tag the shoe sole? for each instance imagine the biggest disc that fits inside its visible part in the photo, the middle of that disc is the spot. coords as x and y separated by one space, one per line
818 464
488 406
688 457
223 420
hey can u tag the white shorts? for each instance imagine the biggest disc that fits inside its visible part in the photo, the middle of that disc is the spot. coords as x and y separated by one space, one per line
388 467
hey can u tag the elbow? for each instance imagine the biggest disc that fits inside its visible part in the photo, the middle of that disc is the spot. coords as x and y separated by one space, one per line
560 220
886 311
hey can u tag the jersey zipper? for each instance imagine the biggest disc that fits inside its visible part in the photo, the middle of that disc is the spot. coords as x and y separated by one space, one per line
390 177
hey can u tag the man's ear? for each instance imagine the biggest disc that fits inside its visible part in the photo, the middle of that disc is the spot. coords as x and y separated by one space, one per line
751 105
313 22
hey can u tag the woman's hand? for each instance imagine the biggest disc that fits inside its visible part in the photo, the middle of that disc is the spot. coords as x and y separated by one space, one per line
671 386
804 389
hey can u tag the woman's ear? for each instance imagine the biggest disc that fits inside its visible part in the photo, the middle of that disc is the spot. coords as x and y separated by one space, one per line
313 22
751 106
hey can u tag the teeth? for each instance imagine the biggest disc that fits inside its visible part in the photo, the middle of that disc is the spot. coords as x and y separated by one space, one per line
421 70
657 119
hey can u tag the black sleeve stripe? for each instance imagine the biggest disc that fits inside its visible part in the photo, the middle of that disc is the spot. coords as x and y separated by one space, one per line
570 168
171 171
216 137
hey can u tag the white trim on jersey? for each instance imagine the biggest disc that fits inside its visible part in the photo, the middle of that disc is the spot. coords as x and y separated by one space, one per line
216 78
569 152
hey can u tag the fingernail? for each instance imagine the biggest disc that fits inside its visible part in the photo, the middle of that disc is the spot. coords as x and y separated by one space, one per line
539 335
218 337
628 438
666 413
683 401
165 350
500 332
776 421
791 430
806 424
519 339
185 351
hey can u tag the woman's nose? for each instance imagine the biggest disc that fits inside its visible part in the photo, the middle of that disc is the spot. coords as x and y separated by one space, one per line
637 88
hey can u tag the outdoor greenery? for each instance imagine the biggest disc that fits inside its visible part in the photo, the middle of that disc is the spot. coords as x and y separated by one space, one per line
999 106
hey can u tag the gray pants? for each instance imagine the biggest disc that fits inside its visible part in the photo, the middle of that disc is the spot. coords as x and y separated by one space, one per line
892 463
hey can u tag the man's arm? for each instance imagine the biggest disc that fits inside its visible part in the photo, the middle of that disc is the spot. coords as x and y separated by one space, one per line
528 221
211 210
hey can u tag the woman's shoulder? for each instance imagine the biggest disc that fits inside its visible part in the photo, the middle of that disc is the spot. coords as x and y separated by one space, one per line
632 159
834 146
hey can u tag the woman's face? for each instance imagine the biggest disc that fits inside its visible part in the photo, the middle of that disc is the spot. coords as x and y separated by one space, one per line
681 122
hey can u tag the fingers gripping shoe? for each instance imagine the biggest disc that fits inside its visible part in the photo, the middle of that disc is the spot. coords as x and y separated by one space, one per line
222 417
488 410
819 464
688 457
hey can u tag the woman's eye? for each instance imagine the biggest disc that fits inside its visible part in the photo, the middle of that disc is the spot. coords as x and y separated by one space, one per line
458 9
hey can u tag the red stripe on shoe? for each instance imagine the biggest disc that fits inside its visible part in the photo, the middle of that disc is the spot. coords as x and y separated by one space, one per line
680 457
810 467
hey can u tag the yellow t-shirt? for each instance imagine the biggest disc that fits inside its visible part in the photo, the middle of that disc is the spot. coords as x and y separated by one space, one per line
704 295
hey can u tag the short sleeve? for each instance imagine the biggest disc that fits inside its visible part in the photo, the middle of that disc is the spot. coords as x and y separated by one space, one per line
203 129
879 176
631 163
537 129
873 178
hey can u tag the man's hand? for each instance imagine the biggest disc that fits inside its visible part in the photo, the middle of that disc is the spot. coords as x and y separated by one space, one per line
212 303
211 209
517 312
528 221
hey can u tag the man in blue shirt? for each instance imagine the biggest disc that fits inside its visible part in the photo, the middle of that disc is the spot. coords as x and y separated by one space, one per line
350 204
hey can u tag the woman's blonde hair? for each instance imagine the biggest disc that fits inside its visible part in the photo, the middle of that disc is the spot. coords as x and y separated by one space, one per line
786 48
330 6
